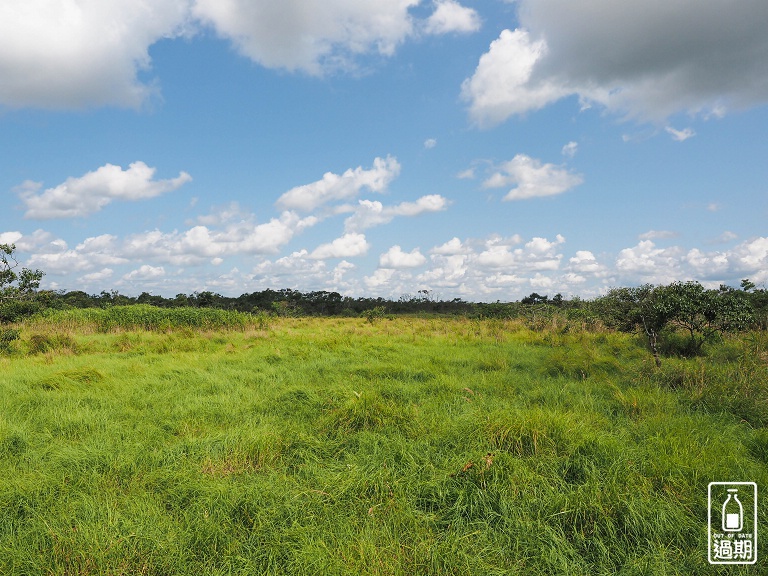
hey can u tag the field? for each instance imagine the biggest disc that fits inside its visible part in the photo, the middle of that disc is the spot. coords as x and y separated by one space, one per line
254 445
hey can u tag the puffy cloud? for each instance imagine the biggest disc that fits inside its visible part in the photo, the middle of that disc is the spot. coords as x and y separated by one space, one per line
647 263
78 197
537 254
309 35
503 84
76 53
430 143
145 272
533 179
396 258
584 262
97 277
10 237
647 60
348 246
450 16
450 248
372 213
341 187
201 243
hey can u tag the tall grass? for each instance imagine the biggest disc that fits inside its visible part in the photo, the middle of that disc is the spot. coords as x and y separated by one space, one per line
339 446
146 317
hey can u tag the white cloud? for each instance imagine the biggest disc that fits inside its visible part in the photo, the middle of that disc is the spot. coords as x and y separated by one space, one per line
309 35
370 213
467 174
713 207
97 277
570 149
430 143
725 237
532 178
381 278
647 263
145 272
341 187
503 85
680 135
75 53
450 16
584 262
201 243
79 197
396 258
657 234
537 254
647 60
348 246
10 237
453 246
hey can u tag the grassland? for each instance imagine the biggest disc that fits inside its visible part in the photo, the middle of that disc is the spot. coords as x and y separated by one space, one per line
338 446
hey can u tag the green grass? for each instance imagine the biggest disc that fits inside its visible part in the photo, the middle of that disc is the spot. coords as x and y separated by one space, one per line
339 446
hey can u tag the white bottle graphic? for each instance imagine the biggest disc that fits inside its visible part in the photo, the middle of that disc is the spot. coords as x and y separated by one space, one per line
733 512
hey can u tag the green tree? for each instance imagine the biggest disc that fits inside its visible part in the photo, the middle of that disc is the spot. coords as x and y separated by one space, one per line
18 287
685 305
640 307
704 313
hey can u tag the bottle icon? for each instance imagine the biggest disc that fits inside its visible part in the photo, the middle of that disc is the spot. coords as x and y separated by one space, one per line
733 512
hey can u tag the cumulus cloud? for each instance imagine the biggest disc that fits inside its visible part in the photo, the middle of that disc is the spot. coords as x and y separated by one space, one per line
537 254
309 35
79 197
430 143
647 263
533 179
450 16
341 187
348 246
97 277
396 258
201 243
503 83
145 272
646 60
72 53
370 213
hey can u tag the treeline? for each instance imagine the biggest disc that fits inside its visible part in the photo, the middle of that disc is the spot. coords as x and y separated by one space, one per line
621 308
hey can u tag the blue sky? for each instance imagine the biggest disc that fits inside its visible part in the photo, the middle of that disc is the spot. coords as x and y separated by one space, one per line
481 150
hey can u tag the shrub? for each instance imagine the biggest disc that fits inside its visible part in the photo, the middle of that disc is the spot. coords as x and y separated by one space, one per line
7 336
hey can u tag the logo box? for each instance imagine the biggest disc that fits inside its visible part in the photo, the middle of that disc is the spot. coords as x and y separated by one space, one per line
732 522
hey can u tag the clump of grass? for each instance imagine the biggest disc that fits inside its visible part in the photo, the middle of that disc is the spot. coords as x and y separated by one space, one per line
44 343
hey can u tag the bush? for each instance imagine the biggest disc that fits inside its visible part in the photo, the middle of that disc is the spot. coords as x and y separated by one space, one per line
7 336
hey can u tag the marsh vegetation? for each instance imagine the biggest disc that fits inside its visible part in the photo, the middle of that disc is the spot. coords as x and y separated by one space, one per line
242 444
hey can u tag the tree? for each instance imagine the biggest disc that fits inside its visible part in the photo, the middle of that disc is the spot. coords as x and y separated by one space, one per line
704 313
18 288
687 305
629 309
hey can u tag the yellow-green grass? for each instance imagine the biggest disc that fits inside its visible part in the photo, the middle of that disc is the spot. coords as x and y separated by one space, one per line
339 446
